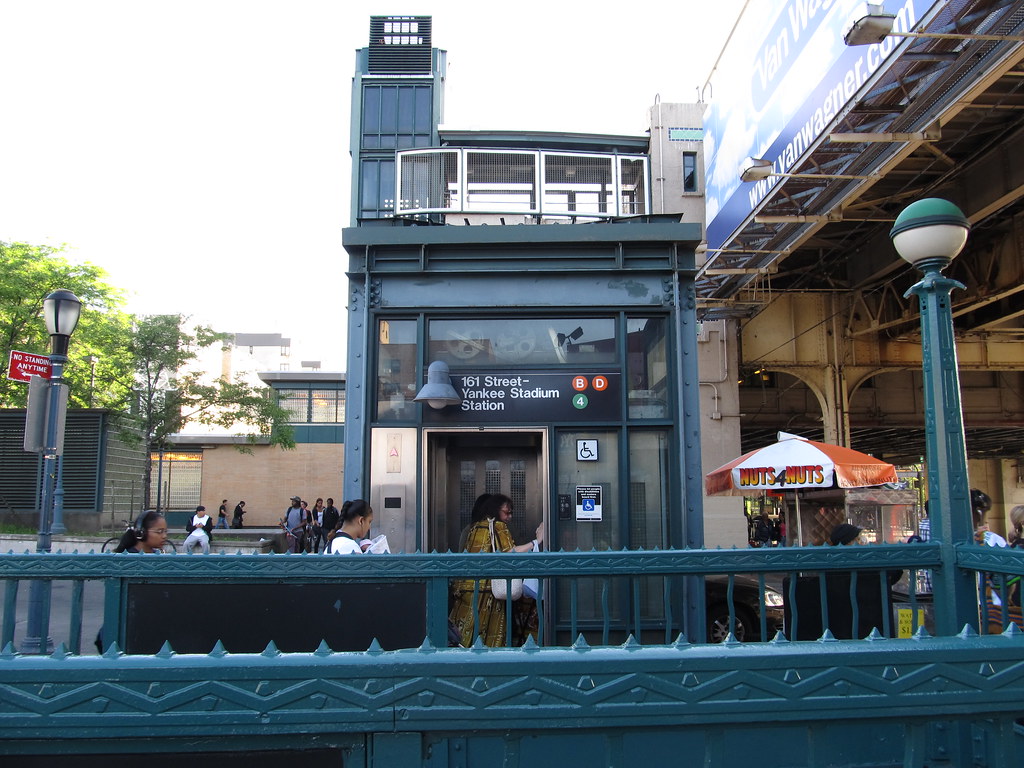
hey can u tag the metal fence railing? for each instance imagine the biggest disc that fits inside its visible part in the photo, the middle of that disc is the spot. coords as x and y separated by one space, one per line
605 597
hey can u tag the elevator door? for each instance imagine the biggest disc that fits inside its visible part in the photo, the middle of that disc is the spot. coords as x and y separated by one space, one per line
472 466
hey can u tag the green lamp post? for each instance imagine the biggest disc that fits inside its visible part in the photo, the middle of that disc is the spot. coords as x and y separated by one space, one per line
929 234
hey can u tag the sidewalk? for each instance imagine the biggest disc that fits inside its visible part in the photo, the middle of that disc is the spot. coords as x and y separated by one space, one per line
246 541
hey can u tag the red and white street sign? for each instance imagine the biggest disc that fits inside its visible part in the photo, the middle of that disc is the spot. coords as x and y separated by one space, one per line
24 365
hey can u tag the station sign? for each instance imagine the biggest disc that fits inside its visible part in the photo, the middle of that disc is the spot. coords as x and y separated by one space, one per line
22 366
533 396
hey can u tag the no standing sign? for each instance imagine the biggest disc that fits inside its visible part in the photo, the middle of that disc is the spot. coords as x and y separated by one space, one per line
22 366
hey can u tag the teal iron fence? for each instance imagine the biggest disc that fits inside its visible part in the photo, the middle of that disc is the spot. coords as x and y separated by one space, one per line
616 688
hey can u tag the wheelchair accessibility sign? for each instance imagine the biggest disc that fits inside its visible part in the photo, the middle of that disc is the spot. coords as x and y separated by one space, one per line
588 502
586 450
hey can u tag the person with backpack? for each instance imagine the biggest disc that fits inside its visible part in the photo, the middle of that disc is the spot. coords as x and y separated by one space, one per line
294 524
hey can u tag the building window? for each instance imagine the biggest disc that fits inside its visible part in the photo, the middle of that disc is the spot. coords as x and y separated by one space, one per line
523 341
178 476
690 172
396 370
397 117
647 367
310 405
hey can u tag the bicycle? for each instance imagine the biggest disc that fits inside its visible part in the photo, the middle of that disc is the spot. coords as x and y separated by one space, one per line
111 544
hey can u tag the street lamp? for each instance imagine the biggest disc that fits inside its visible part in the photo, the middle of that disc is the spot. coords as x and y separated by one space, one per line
61 310
929 234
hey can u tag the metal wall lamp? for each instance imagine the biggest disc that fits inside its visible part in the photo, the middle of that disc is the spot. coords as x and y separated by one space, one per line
871 25
757 168
438 392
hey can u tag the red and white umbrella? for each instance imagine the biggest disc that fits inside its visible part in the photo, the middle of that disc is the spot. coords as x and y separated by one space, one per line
795 462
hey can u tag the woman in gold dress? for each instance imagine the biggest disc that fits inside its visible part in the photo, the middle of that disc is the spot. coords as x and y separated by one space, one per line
489 512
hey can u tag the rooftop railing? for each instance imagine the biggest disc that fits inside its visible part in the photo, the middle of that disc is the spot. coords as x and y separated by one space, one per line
525 183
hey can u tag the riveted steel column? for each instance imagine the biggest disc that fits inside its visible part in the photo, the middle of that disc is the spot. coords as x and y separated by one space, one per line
692 480
358 384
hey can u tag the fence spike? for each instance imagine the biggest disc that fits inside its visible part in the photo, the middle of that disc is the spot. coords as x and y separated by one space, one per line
681 641
271 650
631 643
323 649
60 652
780 637
1011 630
375 647
478 644
8 651
530 644
827 637
426 646
967 632
874 634
165 651
219 651
113 652
580 644
921 632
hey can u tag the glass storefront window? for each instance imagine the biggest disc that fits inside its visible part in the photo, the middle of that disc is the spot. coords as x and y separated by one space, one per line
522 341
647 367
396 370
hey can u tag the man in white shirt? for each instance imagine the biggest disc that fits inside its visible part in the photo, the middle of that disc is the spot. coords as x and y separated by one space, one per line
199 528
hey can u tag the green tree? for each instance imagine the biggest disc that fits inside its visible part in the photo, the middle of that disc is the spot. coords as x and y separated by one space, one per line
30 273
142 369
171 393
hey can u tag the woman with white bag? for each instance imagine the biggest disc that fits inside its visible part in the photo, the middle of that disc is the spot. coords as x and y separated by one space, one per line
487 532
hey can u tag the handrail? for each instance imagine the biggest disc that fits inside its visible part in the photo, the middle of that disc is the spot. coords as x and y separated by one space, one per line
695 562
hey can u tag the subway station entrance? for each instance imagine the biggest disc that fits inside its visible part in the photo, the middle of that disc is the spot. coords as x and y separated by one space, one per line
576 397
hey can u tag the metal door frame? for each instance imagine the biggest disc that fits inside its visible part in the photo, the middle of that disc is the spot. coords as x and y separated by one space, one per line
543 470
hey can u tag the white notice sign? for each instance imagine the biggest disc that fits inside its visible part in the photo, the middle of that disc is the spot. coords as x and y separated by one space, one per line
588 503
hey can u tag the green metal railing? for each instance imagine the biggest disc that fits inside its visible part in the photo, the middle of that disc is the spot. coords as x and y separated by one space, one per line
876 701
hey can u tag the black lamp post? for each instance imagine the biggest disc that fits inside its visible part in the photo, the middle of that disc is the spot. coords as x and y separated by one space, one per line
61 310
929 234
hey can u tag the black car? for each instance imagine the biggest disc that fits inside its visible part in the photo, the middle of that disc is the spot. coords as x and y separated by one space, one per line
747 602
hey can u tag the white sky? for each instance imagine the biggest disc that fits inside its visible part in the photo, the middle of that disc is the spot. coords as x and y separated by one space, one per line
198 149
